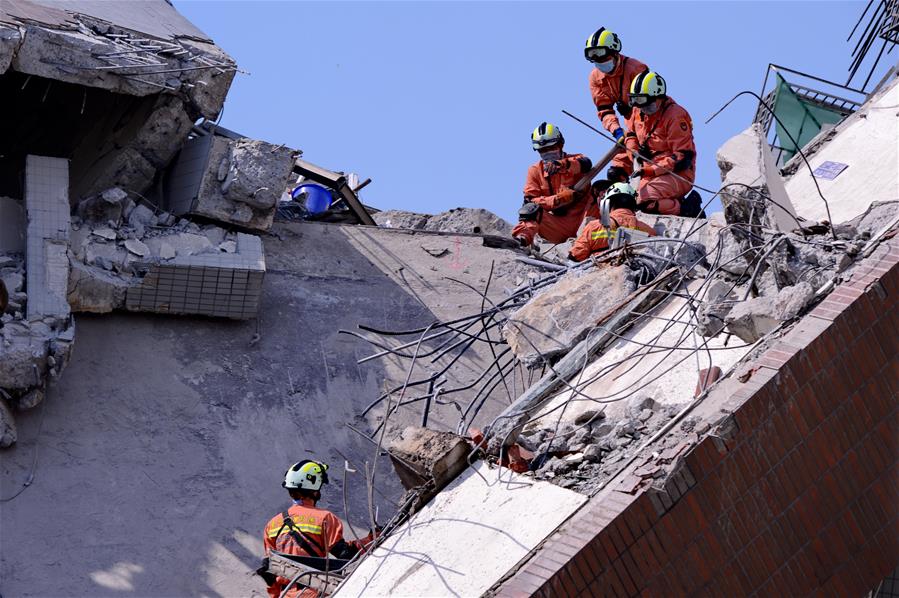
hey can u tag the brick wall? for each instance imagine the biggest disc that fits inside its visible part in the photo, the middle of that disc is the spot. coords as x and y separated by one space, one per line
798 491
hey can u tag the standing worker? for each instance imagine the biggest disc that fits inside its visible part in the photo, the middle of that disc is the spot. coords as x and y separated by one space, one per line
664 133
305 530
552 208
622 201
610 81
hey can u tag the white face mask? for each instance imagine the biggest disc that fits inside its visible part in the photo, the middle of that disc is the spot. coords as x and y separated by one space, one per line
551 155
605 67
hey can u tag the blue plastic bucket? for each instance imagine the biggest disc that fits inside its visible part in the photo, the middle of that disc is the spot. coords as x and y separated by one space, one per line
318 198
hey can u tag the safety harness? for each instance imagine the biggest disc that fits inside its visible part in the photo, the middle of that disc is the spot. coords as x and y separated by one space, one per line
305 542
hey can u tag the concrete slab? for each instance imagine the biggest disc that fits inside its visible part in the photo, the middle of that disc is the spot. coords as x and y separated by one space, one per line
674 373
479 511
47 204
866 142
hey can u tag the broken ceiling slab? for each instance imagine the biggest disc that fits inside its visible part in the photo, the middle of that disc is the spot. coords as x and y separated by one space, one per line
554 321
752 190
466 538
866 143
226 285
152 17
476 221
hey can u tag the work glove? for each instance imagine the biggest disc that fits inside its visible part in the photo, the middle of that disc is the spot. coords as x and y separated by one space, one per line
616 174
528 212
618 134
624 109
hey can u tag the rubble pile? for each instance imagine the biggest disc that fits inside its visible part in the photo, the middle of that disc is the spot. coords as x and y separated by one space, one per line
31 350
458 220
753 271
584 453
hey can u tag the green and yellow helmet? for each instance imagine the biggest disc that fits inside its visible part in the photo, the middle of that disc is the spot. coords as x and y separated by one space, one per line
546 135
306 475
601 44
646 87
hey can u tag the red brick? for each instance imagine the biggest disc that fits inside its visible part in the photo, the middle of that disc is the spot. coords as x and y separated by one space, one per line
644 557
625 578
655 546
610 579
605 540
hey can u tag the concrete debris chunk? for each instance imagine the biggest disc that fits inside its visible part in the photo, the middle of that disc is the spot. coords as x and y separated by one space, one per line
137 248
752 189
94 290
428 459
716 304
166 251
457 220
8 432
141 217
554 321
242 183
228 246
752 319
105 233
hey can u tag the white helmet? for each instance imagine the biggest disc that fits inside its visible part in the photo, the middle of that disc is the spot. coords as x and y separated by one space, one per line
306 475
546 135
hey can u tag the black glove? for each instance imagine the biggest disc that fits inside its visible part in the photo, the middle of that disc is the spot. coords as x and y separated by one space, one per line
529 212
624 109
268 578
616 174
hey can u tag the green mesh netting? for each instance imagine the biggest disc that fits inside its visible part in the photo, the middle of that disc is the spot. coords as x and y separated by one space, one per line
800 119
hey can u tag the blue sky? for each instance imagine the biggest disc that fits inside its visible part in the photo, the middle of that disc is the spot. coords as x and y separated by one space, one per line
435 101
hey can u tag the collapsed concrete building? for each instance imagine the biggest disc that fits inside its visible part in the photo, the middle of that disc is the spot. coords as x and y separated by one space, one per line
712 410
730 426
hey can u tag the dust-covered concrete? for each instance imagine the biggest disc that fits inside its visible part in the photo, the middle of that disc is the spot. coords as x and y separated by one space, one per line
167 437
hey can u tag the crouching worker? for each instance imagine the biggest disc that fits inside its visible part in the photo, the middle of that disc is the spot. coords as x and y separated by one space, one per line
552 208
622 200
304 529
664 132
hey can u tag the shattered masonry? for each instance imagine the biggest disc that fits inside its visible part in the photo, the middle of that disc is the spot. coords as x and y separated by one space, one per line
751 408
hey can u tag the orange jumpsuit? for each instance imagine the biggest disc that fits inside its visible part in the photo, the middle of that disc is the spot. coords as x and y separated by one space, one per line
320 529
608 89
595 237
667 137
542 189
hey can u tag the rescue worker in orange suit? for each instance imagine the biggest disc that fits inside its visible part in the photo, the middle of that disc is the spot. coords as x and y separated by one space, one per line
552 209
610 80
304 529
622 201
664 133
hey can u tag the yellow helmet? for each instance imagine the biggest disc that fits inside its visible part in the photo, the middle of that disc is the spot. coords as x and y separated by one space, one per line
600 44
306 475
646 87
546 135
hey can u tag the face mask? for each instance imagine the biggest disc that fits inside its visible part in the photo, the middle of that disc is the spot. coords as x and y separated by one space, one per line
551 155
650 108
605 67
